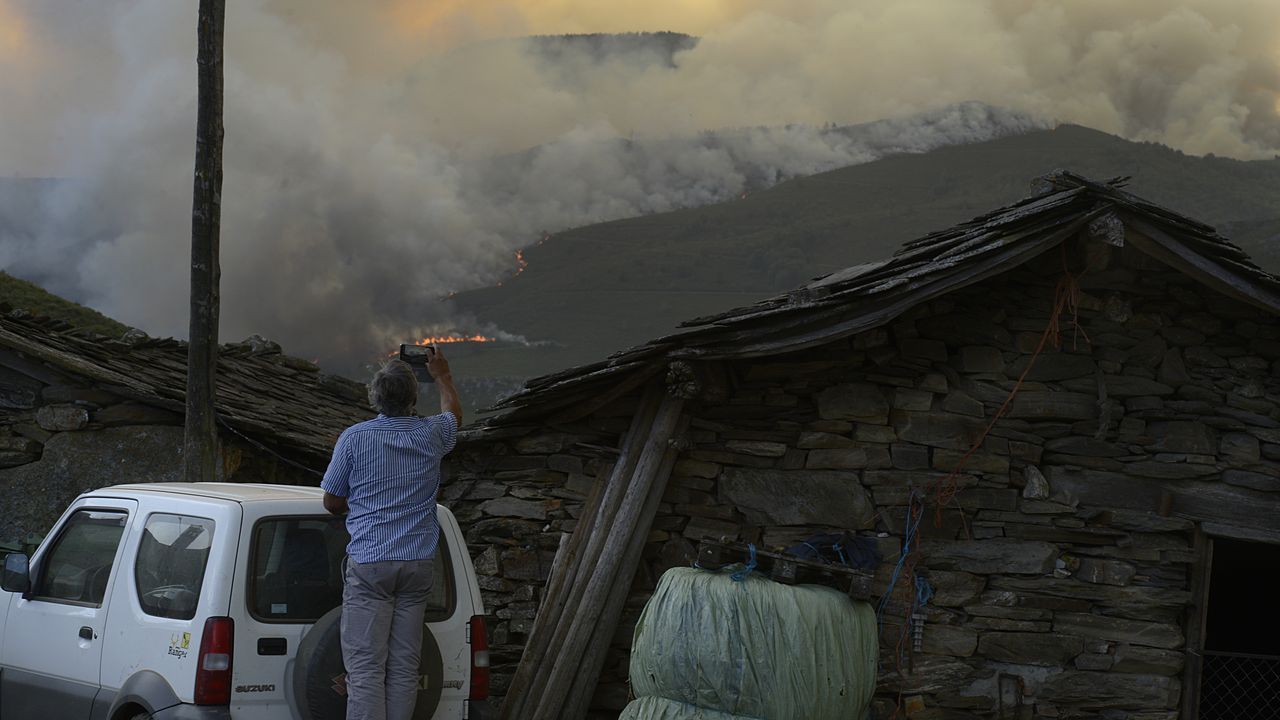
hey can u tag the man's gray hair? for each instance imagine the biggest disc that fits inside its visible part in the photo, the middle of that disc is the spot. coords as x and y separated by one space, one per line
394 390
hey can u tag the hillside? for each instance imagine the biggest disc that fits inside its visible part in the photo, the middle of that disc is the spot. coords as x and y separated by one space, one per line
596 289
20 294
590 291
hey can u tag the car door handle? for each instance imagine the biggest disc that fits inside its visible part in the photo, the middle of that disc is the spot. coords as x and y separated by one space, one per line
86 632
273 646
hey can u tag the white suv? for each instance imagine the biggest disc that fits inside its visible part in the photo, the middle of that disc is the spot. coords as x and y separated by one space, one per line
174 600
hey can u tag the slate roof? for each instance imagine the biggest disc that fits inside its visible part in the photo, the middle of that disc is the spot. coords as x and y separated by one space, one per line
865 296
262 393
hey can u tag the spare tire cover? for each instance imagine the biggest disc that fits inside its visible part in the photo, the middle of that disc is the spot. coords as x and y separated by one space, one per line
320 679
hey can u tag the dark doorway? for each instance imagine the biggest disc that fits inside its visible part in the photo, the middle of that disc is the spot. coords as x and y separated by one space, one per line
1240 676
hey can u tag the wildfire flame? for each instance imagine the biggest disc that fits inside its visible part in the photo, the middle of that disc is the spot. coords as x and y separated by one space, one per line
521 263
447 339
451 339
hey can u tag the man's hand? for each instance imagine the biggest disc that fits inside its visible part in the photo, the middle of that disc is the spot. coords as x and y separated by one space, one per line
335 504
449 401
438 366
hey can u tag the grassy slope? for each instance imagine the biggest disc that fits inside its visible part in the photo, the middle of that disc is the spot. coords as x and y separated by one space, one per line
30 297
597 289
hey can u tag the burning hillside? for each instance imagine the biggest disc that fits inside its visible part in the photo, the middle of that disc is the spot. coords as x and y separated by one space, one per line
451 339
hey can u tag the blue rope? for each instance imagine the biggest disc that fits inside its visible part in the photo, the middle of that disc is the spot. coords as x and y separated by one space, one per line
910 529
924 591
740 575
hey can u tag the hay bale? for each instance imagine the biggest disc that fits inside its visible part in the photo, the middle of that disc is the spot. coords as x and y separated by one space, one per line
657 708
755 648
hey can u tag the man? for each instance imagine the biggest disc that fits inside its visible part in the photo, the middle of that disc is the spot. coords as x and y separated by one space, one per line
384 476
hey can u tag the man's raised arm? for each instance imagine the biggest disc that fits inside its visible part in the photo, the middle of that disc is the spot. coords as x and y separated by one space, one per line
438 366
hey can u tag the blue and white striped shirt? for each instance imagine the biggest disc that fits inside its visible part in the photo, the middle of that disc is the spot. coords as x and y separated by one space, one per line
388 469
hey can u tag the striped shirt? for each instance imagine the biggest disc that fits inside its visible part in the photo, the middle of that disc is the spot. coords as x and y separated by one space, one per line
388 469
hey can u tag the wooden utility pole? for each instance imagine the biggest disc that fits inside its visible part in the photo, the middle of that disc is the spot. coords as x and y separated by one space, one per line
200 445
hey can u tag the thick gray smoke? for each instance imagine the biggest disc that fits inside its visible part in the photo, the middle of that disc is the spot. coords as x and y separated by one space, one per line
380 155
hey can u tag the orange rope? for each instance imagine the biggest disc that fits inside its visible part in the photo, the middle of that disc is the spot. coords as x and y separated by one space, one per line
1066 299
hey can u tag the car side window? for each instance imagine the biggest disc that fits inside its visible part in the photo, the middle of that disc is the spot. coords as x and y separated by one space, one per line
169 570
78 566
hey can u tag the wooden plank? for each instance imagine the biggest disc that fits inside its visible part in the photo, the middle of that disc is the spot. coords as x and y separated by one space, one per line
1197 612
567 662
68 362
581 410
40 371
1145 207
584 682
1236 532
548 390
1172 252
1227 505
533 671
788 569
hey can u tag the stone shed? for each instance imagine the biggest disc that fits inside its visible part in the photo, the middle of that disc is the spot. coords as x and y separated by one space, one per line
80 411
1075 401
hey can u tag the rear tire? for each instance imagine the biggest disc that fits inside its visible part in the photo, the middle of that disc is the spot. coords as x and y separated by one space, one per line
320 679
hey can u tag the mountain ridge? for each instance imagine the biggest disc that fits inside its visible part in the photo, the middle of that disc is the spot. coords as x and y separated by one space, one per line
600 288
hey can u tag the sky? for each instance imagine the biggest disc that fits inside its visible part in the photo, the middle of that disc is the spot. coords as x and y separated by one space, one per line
382 154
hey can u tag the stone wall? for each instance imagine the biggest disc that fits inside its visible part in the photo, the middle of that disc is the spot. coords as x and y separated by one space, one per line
1063 560
60 436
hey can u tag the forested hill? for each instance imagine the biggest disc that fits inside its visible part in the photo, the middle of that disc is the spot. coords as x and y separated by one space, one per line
600 288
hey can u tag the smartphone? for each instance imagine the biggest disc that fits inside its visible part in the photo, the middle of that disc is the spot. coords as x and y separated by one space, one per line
418 356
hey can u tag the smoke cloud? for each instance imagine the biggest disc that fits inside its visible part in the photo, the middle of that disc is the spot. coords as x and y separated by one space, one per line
382 154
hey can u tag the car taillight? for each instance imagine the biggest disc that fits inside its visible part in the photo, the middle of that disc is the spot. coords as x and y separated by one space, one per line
479 658
213 666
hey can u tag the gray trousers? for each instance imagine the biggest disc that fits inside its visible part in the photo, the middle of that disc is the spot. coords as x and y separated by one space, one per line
382 613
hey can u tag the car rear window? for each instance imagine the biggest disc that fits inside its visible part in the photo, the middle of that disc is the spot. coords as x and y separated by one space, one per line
295 572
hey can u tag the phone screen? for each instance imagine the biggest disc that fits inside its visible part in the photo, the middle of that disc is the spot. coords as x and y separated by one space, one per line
417 356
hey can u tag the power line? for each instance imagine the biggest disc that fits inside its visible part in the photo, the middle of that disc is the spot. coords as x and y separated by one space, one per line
268 450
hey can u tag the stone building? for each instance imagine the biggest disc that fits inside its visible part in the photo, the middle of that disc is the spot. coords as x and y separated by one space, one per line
1077 397
80 411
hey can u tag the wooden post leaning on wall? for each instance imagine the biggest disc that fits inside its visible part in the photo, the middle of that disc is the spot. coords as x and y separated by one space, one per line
560 615
557 611
628 521
584 683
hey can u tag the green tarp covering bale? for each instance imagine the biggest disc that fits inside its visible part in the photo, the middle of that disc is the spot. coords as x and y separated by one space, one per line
656 708
754 649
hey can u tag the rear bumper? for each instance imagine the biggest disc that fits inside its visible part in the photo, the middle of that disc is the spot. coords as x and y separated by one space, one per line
479 710
194 712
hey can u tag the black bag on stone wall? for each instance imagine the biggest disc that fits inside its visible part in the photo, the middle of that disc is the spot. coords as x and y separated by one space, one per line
842 548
